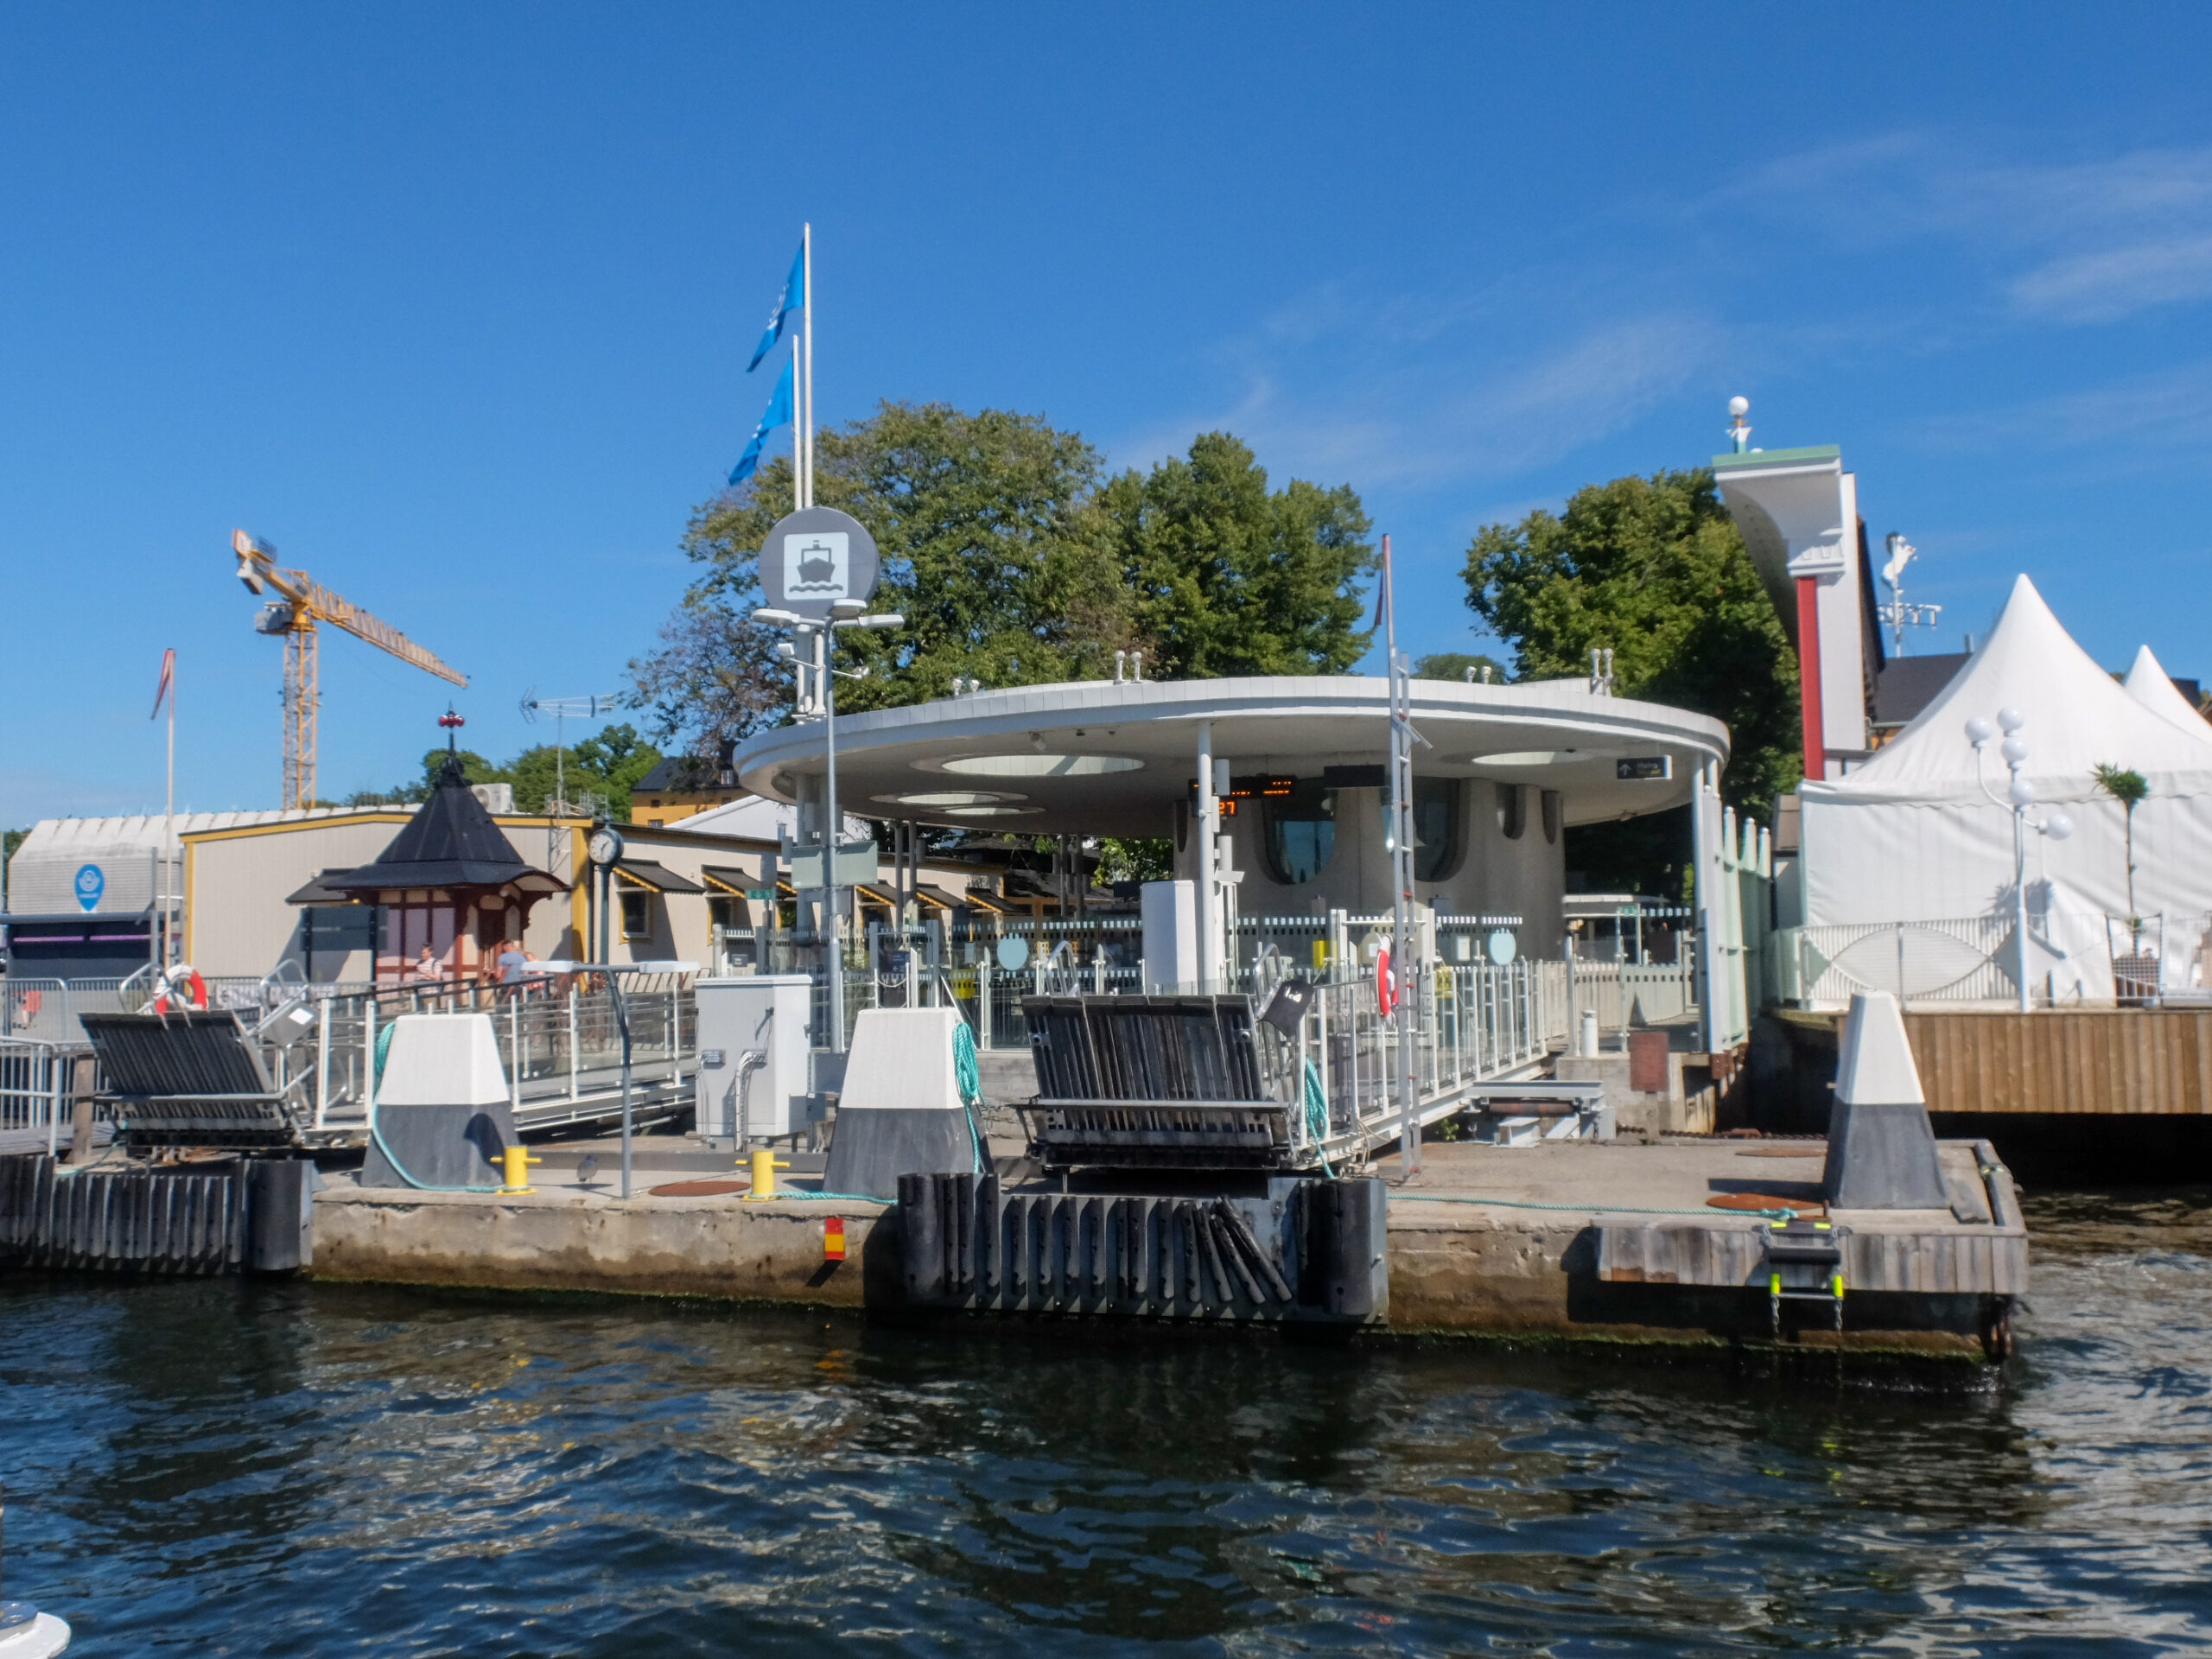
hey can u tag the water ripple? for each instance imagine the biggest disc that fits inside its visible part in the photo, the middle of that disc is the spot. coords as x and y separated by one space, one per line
224 1468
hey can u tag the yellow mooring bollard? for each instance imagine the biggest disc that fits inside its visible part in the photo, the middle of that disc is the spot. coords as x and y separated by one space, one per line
517 1159
764 1165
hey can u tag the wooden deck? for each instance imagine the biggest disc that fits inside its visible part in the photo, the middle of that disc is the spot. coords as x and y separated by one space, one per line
2117 1062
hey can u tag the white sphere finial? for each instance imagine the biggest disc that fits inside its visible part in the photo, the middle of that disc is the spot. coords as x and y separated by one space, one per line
2058 826
1980 731
2011 719
1739 407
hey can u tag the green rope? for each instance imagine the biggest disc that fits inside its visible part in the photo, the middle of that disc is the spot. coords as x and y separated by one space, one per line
1583 1209
968 1075
1317 1115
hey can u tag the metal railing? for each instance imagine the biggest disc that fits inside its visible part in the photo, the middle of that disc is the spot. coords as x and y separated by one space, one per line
1628 994
35 1083
1476 1023
559 1039
2074 960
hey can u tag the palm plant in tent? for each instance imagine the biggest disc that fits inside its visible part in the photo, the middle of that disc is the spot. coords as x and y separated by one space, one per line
2128 788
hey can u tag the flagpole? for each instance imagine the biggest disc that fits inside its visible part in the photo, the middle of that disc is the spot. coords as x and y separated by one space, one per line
169 836
1404 971
806 341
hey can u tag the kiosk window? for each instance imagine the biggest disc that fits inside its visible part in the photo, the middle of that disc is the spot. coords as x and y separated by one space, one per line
1301 831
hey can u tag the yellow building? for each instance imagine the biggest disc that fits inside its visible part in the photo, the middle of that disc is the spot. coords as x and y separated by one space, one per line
680 786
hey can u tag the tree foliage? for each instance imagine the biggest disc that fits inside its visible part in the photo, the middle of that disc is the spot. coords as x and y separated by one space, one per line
1228 577
610 762
992 550
1454 664
1015 563
1653 569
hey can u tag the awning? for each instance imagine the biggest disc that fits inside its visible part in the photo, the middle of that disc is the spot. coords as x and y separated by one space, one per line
315 893
655 878
723 878
978 899
876 895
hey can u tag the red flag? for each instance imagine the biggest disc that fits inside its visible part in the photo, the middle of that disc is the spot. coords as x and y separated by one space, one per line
167 684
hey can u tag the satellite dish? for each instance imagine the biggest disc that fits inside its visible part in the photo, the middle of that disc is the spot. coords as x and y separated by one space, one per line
1013 953
1501 946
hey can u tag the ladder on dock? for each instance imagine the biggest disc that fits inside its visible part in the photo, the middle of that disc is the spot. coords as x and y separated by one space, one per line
1804 1263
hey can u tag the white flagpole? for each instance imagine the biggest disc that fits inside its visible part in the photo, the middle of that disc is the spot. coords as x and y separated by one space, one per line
168 835
806 246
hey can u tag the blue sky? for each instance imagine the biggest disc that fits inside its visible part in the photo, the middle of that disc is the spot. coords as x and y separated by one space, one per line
453 304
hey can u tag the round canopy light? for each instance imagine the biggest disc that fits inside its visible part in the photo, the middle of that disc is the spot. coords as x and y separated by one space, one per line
951 798
1040 765
1544 757
992 812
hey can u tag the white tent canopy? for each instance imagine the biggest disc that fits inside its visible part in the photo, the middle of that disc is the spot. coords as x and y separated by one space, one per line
2149 684
1911 836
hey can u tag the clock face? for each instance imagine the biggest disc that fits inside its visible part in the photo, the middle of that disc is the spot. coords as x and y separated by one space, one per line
605 847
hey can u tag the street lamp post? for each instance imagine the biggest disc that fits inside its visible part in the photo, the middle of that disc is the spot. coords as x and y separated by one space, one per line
2017 798
843 613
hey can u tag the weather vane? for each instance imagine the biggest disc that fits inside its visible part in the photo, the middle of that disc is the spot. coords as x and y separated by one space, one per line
1898 612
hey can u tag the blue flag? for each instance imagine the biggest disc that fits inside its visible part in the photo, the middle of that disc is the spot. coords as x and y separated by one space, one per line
778 413
793 297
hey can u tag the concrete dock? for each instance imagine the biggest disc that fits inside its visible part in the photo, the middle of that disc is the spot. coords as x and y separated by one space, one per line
1619 1241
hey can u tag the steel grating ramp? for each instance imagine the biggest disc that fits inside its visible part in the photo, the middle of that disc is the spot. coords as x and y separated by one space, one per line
1154 1082
187 1079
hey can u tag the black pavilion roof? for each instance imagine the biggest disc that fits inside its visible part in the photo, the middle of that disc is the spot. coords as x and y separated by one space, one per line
451 842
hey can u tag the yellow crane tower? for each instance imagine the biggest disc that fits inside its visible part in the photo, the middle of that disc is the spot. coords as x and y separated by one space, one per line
302 603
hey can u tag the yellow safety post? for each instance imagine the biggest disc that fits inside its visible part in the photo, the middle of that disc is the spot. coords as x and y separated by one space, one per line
764 1165
517 1159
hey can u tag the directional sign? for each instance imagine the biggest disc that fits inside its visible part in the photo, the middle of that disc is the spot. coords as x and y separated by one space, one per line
814 557
91 883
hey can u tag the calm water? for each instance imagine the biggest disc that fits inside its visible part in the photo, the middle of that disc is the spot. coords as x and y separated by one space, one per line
217 1468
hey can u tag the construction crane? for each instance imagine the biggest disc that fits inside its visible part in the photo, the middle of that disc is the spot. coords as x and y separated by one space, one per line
302 604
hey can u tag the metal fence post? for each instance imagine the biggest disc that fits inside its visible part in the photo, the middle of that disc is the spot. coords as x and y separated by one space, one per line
572 1040
322 1062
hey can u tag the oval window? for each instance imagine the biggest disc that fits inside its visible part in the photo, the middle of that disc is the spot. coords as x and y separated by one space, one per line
1301 831
1436 827
1512 810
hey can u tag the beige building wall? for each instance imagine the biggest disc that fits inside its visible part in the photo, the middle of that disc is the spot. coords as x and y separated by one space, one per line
236 921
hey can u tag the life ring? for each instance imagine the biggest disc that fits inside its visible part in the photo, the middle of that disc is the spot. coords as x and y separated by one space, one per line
1386 984
183 988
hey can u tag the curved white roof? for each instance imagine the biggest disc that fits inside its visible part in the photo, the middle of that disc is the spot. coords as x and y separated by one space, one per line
1107 758
2078 718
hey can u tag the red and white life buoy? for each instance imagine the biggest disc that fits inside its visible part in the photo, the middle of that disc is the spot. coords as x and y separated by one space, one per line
181 988
1385 982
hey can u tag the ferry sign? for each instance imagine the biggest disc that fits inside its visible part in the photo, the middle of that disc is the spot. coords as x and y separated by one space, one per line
815 557
91 883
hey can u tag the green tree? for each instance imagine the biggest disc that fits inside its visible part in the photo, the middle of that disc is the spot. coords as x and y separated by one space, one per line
993 550
1454 664
2129 789
1653 569
1230 578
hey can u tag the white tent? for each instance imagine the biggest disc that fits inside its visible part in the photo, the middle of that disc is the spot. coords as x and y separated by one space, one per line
2149 684
1911 837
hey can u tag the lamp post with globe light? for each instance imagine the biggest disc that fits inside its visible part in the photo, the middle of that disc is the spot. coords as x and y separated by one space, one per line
843 613
2017 798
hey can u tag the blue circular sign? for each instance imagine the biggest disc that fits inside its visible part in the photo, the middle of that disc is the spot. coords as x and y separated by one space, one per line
1501 946
91 883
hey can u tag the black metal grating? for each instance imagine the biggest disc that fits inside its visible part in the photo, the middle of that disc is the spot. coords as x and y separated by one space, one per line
187 1079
